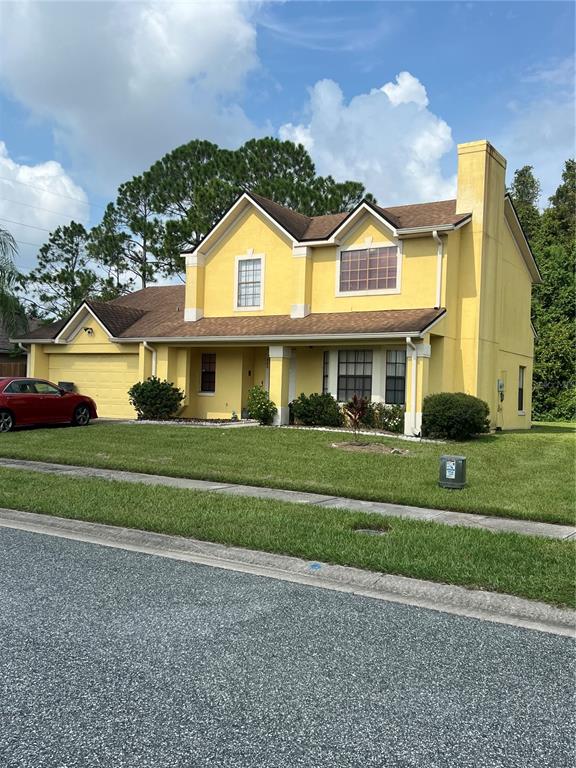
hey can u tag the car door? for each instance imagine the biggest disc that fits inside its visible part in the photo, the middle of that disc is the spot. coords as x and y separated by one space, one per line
53 405
24 401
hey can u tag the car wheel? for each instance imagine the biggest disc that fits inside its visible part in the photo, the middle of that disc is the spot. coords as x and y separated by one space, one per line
6 421
81 416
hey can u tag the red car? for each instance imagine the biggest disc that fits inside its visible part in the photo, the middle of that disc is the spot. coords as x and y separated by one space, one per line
25 401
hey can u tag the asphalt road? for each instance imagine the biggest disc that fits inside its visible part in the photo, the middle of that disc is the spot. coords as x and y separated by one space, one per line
113 658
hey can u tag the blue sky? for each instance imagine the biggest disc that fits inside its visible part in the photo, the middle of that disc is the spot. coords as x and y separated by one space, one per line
93 92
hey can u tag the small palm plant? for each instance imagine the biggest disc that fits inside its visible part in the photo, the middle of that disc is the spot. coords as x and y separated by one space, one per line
355 410
12 313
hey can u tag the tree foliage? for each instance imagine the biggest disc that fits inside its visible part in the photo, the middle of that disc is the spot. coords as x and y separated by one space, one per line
12 313
64 275
552 235
196 183
129 240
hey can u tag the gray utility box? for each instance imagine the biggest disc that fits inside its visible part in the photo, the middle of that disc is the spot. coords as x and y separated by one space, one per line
452 472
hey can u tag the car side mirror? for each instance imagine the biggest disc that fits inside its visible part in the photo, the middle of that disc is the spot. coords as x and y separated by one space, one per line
63 392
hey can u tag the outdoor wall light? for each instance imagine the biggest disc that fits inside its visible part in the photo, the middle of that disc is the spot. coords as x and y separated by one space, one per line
89 331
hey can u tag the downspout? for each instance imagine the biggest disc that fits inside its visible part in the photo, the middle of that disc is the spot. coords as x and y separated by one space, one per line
412 346
27 353
439 255
154 355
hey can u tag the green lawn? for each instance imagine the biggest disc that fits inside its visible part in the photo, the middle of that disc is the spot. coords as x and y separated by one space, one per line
527 566
524 474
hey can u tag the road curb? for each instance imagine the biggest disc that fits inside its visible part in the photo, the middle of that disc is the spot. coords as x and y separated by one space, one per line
487 606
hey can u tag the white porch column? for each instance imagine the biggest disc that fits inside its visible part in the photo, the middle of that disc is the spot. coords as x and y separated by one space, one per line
280 381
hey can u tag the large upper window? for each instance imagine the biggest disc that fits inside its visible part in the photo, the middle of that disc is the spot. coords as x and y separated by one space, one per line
354 373
369 269
395 376
249 292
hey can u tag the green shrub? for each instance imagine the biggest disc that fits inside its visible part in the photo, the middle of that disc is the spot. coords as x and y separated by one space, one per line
260 406
454 416
317 410
565 408
155 399
386 417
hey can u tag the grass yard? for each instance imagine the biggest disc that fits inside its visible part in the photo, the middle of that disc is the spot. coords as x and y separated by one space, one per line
526 475
540 569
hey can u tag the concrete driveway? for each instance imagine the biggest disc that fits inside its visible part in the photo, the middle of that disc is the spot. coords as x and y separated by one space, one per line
114 658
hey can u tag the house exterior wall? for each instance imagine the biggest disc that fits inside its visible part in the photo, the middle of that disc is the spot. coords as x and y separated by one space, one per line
485 336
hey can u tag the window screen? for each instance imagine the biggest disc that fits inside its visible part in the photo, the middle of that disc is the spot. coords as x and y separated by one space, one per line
369 269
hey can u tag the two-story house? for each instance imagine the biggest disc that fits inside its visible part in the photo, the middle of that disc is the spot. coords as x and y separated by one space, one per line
389 303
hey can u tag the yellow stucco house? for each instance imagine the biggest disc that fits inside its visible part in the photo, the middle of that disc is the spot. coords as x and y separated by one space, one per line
390 303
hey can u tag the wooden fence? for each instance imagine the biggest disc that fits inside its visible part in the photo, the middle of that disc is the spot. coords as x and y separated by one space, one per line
12 368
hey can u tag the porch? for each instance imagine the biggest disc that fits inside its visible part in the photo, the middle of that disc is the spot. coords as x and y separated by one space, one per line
216 378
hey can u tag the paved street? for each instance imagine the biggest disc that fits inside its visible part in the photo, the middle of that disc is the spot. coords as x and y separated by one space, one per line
112 658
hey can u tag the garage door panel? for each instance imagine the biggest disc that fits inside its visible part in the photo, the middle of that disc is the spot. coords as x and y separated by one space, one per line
105 378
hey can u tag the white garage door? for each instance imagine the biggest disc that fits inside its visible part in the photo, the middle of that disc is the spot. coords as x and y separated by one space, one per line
105 378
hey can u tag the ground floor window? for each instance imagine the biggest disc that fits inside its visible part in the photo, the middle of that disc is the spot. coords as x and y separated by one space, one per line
521 377
325 370
395 376
354 374
208 373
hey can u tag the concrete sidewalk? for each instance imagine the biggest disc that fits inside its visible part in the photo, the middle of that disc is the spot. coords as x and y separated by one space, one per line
494 524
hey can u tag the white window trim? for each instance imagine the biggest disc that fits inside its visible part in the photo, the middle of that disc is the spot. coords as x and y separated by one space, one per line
247 257
374 291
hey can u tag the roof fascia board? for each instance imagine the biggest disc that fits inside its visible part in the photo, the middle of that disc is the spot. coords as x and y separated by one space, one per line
277 338
526 251
245 197
32 341
431 227
59 338
363 207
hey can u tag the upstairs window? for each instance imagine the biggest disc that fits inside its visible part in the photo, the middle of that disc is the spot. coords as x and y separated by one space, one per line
354 374
369 269
208 373
249 291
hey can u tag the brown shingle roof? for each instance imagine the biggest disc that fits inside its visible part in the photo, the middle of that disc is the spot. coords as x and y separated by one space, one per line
158 312
400 321
437 214
115 316
49 331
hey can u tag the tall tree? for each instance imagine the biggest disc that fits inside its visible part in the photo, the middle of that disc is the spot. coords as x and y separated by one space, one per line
554 301
128 241
12 313
197 182
525 191
64 275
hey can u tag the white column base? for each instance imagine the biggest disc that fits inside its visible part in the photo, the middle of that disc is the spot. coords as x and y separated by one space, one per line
282 417
410 428
191 314
299 310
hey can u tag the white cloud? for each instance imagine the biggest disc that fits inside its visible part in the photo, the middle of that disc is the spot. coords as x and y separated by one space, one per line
125 82
386 138
407 89
41 197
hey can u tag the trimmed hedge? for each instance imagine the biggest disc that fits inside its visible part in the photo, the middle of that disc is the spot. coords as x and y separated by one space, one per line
316 410
454 416
155 399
